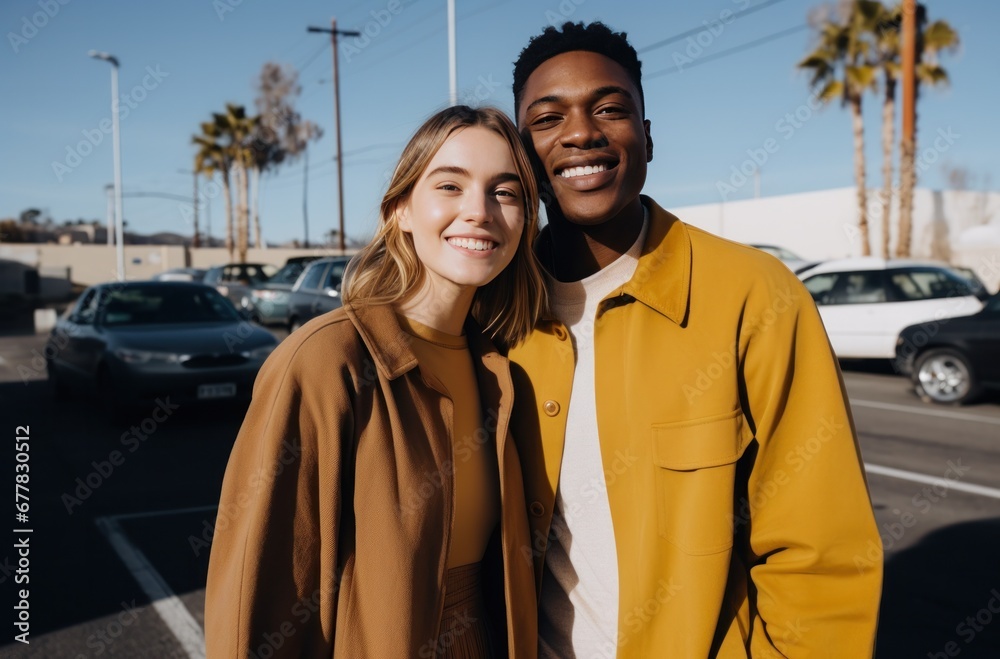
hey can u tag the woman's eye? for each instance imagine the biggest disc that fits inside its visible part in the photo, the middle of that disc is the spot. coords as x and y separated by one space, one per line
448 187
506 193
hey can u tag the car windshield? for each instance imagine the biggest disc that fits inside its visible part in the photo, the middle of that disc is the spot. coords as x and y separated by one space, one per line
927 284
148 305
288 273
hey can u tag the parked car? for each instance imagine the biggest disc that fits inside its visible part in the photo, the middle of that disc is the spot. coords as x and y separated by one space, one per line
180 274
316 291
952 360
134 342
267 302
794 262
978 287
235 279
866 302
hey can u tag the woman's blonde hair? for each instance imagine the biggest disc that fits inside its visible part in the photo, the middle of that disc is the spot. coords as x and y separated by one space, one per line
387 270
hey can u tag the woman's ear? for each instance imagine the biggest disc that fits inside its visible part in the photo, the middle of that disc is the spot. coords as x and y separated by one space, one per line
401 216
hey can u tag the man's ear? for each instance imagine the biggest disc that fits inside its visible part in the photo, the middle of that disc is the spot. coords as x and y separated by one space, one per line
649 140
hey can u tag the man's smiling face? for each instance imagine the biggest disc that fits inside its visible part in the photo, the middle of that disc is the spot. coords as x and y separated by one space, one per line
581 114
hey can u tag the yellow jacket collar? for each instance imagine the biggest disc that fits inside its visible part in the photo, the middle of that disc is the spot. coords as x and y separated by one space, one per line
662 279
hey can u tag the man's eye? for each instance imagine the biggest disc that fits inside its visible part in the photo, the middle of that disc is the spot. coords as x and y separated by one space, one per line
545 119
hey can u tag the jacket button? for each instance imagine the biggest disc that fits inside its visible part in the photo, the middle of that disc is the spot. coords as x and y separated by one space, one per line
560 333
537 509
551 407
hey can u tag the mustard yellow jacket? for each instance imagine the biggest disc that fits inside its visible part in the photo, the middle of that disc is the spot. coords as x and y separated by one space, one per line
337 506
741 511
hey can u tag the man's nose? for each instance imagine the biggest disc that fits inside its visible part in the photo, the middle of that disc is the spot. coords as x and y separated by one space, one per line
583 132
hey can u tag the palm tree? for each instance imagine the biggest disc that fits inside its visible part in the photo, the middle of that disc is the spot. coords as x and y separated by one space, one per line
225 146
214 155
277 90
887 44
841 67
265 153
936 38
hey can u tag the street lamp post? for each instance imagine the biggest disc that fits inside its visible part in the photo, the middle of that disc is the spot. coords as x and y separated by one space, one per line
109 189
333 32
119 222
452 57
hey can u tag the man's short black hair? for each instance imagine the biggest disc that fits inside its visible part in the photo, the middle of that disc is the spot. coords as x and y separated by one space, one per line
595 37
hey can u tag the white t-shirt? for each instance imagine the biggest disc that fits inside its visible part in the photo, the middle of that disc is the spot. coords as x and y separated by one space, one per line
579 603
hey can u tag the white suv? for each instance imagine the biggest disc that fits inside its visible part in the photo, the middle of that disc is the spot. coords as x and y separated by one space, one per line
866 302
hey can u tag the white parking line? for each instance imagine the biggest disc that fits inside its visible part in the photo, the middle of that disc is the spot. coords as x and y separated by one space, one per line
169 607
971 488
912 409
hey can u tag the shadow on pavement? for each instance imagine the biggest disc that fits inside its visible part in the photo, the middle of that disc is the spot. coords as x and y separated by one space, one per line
941 597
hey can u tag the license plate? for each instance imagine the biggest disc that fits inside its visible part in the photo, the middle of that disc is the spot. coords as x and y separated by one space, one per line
227 390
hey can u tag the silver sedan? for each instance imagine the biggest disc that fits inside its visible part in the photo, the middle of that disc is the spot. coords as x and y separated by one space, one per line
142 342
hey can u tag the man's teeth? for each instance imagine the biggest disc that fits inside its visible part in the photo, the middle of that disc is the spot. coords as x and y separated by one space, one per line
470 243
586 170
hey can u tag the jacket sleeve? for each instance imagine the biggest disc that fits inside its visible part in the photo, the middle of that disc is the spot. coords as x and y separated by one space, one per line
815 557
272 579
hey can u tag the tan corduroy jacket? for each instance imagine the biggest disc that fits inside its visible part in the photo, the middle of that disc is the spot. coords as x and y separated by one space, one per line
337 506
741 513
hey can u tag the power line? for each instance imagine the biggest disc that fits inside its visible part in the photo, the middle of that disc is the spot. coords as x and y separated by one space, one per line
696 30
726 53
312 58
422 38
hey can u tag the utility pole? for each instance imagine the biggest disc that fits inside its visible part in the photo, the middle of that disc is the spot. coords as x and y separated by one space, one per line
196 241
907 148
333 31
452 56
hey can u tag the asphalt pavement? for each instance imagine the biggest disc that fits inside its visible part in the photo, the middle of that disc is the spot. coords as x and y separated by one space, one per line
121 518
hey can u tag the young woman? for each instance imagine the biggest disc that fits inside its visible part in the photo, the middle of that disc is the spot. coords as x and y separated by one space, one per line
373 503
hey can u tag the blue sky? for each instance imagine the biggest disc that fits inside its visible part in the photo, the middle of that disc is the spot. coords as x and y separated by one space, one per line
196 55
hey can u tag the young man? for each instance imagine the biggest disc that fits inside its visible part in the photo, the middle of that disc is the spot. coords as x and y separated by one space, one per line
692 471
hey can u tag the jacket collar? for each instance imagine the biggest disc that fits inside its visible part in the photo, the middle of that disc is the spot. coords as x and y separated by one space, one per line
662 279
389 344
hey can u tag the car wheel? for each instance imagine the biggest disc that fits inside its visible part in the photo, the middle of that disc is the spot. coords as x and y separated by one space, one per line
944 376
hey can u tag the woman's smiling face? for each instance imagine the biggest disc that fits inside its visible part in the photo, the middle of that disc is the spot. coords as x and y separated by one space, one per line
465 212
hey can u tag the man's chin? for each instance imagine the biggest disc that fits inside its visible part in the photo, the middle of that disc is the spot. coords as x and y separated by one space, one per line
581 214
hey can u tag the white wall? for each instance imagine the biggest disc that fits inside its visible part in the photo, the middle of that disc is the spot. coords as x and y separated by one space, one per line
92 264
824 225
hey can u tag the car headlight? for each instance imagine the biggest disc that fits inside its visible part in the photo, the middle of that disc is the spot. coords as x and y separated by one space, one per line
258 353
245 302
130 356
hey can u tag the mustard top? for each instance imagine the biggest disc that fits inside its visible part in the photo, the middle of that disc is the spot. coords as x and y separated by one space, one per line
445 359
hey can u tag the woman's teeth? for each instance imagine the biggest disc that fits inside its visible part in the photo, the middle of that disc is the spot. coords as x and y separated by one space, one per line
586 170
470 243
